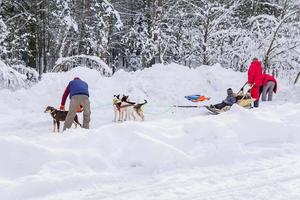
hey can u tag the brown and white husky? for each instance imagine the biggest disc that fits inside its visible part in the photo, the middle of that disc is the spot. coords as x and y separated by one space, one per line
132 109
126 110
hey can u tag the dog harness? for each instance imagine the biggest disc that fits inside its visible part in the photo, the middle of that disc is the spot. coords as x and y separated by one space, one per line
117 103
53 113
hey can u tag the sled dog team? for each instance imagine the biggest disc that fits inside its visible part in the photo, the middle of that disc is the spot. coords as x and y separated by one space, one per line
124 109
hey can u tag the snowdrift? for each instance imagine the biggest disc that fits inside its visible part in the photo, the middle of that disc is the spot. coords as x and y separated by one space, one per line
36 161
10 78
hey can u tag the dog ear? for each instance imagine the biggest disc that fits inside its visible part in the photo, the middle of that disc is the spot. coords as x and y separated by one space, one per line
124 98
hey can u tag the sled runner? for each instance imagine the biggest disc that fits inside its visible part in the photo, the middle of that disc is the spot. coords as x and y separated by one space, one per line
197 98
212 110
216 111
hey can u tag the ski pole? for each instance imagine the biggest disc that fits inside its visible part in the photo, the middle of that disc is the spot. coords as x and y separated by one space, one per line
247 91
188 106
242 88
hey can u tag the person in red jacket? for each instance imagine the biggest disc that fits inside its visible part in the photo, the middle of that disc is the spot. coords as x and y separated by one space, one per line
255 79
269 86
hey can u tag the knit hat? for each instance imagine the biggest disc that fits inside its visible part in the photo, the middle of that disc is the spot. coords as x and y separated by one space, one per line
229 91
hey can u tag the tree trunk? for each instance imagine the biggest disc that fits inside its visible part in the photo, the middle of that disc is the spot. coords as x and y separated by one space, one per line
296 80
205 40
271 48
159 20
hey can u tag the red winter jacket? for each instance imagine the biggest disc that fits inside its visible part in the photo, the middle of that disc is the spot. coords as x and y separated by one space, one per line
267 78
255 73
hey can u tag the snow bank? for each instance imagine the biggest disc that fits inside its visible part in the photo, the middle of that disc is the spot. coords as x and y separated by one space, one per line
96 63
10 78
36 162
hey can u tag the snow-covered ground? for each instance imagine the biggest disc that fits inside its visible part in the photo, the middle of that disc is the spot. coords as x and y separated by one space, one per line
177 153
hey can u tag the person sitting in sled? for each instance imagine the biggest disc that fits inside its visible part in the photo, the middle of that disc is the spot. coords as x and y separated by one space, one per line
229 101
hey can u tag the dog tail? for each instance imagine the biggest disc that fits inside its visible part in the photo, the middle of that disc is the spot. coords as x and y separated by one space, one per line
145 102
141 104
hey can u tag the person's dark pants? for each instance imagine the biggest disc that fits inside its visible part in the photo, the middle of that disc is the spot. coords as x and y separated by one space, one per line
220 105
255 93
256 103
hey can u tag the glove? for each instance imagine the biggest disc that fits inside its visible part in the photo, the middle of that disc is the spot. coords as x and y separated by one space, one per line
79 109
62 107
250 84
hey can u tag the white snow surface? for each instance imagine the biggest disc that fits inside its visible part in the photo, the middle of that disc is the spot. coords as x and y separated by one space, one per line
176 153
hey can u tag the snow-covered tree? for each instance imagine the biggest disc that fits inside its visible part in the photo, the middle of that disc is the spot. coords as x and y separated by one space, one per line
134 34
203 28
273 35
3 35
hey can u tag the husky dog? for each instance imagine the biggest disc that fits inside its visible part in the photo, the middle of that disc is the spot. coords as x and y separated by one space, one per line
132 110
58 116
117 107
120 108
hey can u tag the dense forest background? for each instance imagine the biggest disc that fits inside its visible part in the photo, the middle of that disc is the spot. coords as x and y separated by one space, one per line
134 34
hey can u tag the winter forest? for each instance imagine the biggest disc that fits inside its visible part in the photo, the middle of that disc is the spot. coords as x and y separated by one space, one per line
150 99
51 35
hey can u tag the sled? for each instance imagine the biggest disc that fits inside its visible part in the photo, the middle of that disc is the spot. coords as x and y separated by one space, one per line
245 100
212 110
245 103
197 98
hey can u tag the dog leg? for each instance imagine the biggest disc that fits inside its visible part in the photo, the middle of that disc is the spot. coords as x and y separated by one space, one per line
58 126
115 118
77 122
125 115
54 125
142 116
128 116
121 116
134 118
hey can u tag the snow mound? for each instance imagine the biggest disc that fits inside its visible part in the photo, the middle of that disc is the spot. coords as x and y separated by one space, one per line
10 78
36 161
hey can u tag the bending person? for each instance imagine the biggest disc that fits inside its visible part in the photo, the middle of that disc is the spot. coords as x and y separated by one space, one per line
79 95
269 86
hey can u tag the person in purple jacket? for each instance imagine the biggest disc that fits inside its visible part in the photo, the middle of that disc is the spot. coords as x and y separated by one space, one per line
79 95
229 101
